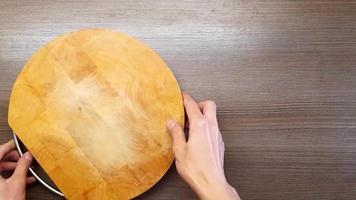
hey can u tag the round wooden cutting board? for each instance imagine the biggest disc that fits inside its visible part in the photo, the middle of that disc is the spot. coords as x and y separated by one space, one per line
92 106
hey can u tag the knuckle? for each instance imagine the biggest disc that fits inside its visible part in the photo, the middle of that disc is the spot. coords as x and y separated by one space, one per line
201 122
211 103
176 128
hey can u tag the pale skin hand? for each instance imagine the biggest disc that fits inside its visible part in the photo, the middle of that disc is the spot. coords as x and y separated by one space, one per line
14 188
200 160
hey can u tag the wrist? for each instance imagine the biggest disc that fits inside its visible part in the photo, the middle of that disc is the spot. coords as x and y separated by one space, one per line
217 188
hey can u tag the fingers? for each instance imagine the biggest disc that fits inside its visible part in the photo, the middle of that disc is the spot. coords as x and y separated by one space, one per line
22 166
13 155
6 148
178 136
208 108
197 110
7 166
221 150
191 107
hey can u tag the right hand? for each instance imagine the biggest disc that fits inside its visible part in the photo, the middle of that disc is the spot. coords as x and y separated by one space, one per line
200 160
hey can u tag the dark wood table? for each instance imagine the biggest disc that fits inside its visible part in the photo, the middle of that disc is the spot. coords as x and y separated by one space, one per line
283 74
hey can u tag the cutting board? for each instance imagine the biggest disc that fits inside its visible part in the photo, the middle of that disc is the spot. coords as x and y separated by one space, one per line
91 106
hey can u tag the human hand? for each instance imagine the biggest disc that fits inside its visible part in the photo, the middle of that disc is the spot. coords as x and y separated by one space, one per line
200 160
14 188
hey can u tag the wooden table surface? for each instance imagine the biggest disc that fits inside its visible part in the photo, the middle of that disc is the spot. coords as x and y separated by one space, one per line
283 74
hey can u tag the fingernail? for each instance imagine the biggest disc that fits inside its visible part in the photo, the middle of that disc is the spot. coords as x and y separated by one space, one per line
170 124
28 156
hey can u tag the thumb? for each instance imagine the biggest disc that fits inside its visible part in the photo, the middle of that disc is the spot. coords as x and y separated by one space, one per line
178 136
22 167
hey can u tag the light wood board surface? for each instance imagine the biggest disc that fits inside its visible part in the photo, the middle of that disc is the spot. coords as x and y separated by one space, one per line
91 106
281 72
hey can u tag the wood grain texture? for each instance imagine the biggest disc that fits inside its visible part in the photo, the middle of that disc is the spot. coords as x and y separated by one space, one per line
281 72
92 106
